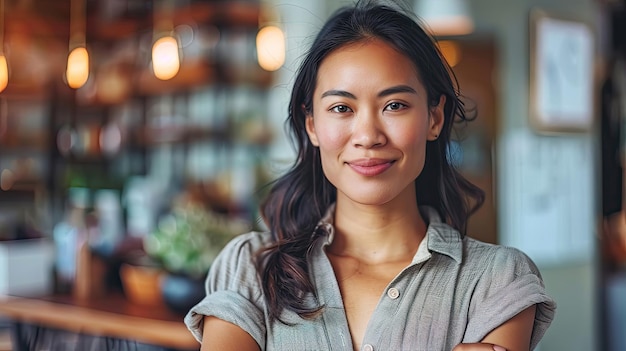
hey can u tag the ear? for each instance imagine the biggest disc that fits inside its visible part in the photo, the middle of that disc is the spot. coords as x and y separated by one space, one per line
436 119
310 129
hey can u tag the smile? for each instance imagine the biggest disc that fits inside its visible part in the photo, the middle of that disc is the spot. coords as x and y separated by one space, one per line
370 167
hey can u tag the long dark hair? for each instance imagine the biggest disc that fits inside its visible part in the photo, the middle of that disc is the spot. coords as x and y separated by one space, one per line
299 199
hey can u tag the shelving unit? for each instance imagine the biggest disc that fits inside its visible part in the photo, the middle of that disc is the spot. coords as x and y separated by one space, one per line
126 132
204 129
146 115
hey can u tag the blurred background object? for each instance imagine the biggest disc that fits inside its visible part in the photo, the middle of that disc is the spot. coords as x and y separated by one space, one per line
446 17
115 116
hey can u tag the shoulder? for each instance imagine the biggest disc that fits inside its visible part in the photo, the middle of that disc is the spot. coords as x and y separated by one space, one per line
235 264
233 289
497 259
505 281
247 244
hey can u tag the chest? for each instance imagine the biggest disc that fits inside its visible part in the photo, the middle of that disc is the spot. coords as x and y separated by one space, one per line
415 310
361 287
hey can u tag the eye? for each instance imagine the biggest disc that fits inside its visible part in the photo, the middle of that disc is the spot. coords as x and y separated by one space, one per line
340 109
395 106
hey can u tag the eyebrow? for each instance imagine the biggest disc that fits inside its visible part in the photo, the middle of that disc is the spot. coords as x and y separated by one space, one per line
389 91
397 89
341 93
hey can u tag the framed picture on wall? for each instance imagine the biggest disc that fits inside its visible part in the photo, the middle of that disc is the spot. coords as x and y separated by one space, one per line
561 74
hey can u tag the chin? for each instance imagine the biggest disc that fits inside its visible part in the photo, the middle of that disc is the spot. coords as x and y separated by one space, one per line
370 198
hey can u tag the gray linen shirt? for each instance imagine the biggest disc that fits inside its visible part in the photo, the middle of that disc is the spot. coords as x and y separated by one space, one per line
455 290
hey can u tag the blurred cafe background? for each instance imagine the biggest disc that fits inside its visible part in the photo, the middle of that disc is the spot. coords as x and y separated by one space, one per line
138 136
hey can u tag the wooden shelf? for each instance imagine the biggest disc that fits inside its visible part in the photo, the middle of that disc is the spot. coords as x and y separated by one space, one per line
231 13
50 19
111 316
150 136
191 74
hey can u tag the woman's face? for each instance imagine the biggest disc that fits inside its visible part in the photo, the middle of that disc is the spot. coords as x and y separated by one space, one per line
371 121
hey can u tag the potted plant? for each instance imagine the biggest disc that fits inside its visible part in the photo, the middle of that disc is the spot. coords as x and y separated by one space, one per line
185 242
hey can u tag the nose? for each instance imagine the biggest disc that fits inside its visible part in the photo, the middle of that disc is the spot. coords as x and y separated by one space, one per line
367 131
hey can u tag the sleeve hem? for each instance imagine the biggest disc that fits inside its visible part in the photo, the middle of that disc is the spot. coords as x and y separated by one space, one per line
230 307
520 295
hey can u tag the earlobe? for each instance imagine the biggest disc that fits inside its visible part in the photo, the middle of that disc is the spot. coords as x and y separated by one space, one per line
310 130
436 119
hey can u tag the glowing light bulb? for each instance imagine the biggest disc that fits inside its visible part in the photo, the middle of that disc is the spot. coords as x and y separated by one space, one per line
4 73
165 59
77 71
270 46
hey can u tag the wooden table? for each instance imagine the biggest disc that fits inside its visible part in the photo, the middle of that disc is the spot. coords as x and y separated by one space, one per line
112 316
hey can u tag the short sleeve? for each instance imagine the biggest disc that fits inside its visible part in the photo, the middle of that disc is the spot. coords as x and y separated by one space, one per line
233 292
510 283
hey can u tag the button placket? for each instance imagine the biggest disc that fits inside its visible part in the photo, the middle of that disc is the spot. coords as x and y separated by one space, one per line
368 347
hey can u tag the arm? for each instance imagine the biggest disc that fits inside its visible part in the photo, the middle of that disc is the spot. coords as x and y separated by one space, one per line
513 335
221 335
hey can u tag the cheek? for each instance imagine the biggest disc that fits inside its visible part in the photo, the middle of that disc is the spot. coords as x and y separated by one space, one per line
331 137
409 135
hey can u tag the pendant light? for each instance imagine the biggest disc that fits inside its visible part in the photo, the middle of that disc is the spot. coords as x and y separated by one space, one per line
270 41
445 17
165 57
4 67
77 71
166 49
270 46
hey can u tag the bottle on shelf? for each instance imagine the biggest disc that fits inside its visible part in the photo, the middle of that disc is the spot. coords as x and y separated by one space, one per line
68 236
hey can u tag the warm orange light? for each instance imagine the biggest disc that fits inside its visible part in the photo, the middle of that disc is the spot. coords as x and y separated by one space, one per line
270 47
165 58
451 51
4 67
77 71
4 73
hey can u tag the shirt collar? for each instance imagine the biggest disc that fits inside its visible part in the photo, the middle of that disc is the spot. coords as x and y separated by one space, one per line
440 237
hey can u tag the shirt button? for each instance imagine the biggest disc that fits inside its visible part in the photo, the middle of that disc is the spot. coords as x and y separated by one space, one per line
368 347
393 293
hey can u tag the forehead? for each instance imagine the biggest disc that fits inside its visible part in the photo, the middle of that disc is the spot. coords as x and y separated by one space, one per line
367 61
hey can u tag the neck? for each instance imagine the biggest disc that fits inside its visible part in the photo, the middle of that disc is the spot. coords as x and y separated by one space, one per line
377 234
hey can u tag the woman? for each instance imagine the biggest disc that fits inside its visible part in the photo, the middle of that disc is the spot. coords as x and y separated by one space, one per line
366 248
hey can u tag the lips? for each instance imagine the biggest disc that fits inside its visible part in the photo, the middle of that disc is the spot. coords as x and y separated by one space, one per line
370 166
